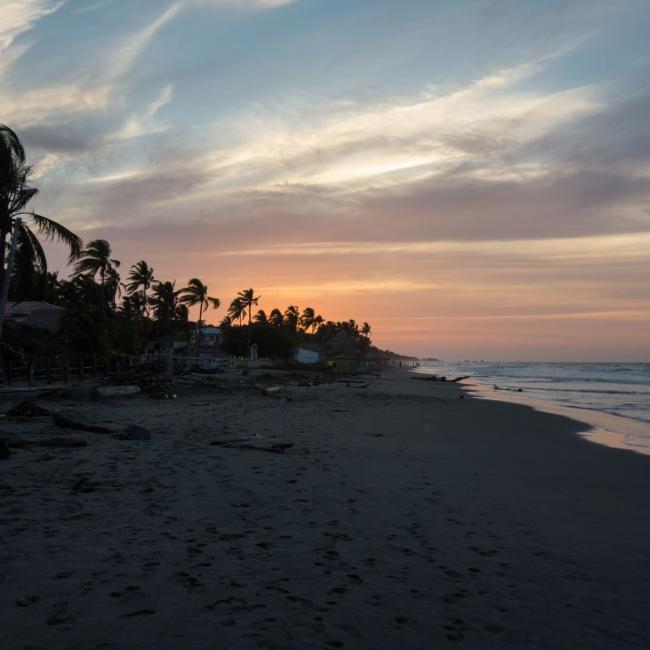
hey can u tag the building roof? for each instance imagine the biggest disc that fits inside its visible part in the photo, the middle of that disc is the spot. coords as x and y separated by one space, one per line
39 315
208 329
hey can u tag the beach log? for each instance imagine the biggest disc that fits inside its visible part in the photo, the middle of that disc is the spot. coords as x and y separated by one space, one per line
117 391
68 423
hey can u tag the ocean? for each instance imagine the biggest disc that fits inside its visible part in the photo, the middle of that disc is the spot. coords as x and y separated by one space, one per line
618 389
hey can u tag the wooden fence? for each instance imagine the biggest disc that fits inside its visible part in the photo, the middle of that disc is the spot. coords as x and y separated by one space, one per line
51 369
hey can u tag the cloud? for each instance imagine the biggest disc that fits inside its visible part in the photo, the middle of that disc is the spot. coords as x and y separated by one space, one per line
144 124
240 4
20 16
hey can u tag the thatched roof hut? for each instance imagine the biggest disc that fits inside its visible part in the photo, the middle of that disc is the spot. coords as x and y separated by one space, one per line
36 315
34 327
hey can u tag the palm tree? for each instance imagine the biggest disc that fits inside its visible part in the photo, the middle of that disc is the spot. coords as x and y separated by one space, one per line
247 298
165 303
113 286
316 323
292 317
196 293
15 194
261 317
95 259
140 279
237 310
276 318
365 329
307 318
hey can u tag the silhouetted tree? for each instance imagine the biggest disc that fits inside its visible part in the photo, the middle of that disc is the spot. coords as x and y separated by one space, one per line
95 260
247 299
196 293
15 194
140 279
292 317
237 310
276 318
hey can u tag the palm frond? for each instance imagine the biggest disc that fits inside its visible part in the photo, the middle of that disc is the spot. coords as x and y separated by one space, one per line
21 197
39 259
55 231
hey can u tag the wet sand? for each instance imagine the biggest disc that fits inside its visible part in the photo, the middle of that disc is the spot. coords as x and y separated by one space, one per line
402 517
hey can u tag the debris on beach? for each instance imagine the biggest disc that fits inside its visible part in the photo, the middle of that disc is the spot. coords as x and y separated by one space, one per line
118 391
27 409
455 380
276 447
512 390
135 381
68 423
134 432
270 390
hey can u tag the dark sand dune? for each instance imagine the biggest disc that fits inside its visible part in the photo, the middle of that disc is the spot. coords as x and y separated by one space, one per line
403 517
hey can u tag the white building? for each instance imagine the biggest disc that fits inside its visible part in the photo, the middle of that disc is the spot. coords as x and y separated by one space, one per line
307 353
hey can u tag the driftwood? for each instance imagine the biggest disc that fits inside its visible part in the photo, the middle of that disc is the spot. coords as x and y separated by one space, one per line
275 448
268 390
436 378
117 391
27 409
68 423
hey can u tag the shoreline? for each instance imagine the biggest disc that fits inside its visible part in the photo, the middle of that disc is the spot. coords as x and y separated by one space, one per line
607 429
402 516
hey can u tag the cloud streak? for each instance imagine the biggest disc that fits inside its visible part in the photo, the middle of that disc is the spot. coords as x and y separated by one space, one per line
509 191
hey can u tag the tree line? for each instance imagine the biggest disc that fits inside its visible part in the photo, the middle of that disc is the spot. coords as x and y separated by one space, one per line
105 313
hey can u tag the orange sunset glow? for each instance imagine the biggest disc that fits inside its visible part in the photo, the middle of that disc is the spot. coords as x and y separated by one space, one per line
468 206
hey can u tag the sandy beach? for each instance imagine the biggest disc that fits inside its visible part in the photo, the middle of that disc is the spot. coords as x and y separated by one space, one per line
402 517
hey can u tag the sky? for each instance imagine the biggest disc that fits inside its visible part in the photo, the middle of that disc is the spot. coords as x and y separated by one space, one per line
472 177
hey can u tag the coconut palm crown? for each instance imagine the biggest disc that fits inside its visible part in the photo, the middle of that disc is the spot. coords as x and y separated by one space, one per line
196 293
247 299
140 280
15 194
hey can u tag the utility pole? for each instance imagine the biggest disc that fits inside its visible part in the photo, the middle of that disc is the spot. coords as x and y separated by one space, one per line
5 276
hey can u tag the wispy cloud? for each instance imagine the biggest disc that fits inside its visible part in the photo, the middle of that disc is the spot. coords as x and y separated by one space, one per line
20 16
514 197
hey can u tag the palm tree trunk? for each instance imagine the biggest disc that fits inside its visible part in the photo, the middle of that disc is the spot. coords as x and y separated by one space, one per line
102 275
5 274
250 332
198 338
